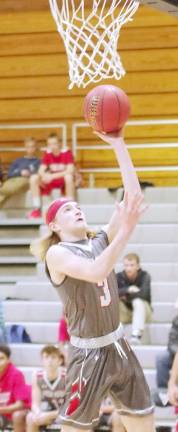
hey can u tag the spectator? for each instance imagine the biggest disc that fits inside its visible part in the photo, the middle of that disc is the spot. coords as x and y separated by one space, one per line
48 389
20 171
56 172
15 395
164 364
134 286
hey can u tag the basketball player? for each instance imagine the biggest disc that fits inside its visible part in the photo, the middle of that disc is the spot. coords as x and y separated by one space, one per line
101 361
48 389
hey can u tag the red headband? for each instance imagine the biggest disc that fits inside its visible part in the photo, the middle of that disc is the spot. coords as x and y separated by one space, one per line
54 207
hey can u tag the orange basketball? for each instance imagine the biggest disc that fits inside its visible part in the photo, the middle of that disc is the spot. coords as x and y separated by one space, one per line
106 108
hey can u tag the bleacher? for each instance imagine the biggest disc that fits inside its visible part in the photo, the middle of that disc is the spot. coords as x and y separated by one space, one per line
29 298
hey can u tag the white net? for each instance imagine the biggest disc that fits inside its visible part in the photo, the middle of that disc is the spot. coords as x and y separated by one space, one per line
90 31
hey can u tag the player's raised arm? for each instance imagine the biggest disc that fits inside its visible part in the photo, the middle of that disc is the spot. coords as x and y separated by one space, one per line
62 262
129 177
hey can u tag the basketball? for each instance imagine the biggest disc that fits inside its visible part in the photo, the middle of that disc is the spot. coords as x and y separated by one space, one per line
106 108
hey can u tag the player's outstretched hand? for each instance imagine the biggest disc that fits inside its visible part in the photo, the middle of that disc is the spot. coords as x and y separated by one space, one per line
111 138
131 209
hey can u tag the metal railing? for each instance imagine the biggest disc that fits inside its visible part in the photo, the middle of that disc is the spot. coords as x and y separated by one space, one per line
78 147
34 126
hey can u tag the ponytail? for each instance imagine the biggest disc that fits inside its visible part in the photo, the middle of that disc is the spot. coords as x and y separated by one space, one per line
39 247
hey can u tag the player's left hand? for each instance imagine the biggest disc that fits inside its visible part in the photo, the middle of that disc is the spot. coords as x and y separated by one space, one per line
131 209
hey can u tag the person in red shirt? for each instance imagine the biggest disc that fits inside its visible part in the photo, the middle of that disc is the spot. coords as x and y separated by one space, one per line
15 394
56 172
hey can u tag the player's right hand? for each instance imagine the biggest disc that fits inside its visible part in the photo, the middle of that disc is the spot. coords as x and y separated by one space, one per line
131 209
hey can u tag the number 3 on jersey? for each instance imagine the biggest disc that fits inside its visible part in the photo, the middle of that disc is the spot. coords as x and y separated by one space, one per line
106 298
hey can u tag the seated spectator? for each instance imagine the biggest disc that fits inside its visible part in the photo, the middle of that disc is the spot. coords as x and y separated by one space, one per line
48 389
56 172
134 286
20 171
15 395
164 364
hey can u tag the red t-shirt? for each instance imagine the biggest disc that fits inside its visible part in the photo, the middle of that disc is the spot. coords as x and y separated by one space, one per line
63 335
59 162
13 388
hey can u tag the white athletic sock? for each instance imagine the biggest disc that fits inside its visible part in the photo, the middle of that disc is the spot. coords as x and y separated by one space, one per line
36 202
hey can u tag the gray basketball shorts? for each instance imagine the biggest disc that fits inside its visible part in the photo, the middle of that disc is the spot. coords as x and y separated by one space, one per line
94 374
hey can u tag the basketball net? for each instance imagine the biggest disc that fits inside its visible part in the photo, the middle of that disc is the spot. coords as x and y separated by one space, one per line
91 36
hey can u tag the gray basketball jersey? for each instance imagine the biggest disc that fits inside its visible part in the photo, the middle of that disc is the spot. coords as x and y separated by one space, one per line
91 309
52 394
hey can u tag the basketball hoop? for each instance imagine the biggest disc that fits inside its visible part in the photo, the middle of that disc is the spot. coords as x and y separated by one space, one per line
91 35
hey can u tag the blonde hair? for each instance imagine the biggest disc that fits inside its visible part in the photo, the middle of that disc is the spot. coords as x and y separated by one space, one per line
39 247
29 139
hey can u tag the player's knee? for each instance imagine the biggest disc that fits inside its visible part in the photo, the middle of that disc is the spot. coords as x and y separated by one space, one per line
117 425
148 423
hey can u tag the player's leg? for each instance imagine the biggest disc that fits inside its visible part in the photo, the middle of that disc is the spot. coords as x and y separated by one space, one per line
129 390
84 389
117 425
139 424
125 313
